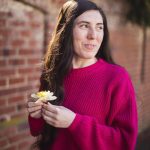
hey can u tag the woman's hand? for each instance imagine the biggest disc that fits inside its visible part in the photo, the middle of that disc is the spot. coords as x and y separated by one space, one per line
57 116
35 108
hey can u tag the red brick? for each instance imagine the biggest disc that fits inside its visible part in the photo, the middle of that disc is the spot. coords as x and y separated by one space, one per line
33 78
16 62
7 72
33 43
17 23
8 131
16 80
7 52
3 142
2 82
14 99
2 22
3 63
7 110
9 91
5 32
19 115
17 137
2 43
30 52
25 33
3 97
4 14
17 43
34 61
26 70
35 24
29 14
3 102
15 90
12 52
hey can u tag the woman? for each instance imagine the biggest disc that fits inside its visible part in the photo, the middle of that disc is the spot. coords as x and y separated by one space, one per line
95 107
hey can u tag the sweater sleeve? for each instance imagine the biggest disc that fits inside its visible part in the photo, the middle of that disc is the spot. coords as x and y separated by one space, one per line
36 125
120 131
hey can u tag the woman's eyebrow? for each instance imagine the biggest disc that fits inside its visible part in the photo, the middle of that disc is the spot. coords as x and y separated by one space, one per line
88 22
83 22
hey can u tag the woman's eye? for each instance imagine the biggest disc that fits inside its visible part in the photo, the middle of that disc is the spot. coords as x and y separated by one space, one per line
84 26
100 28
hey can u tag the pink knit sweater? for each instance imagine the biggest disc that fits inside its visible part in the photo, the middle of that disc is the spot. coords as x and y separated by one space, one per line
103 98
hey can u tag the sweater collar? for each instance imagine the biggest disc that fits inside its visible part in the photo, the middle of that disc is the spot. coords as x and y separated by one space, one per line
88 69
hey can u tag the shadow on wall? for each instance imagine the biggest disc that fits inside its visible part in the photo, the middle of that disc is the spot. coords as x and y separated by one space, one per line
143 141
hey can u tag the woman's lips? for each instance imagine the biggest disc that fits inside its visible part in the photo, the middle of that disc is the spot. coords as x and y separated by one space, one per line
89 46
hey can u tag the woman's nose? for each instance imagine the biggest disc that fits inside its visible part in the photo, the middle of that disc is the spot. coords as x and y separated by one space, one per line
91 34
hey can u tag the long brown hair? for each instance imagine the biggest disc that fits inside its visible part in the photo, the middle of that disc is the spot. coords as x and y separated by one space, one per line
58 59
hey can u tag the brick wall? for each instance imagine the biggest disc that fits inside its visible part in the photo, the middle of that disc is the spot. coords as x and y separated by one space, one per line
145 87
25 28
21 50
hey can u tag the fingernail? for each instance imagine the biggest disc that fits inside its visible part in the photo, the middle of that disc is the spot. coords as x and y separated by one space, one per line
49 103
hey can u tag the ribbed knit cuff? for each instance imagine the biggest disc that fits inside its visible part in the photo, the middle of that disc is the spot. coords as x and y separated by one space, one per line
76 122
35 120
36 125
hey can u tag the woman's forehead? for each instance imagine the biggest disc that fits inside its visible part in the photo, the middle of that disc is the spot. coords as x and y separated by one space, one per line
90 16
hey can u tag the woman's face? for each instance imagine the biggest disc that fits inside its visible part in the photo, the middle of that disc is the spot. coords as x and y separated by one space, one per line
88 34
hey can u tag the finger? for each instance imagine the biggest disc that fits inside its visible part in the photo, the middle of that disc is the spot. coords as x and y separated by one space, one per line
34 104
51 123
33 114
33 109
48 114
40 101
49 120
50 108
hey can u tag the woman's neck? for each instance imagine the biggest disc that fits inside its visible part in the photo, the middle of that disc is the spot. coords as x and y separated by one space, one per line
80 63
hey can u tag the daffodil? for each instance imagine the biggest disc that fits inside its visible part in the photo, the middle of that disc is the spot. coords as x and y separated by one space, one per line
44 96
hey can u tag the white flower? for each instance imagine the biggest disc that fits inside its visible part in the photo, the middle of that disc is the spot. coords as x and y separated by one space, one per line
44 96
